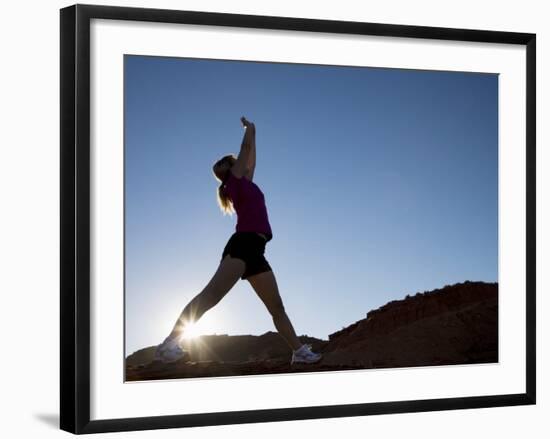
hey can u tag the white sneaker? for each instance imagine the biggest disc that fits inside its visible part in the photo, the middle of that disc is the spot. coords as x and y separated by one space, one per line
305 355
169 351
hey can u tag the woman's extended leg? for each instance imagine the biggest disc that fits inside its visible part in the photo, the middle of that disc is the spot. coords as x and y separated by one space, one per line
265 286
227 275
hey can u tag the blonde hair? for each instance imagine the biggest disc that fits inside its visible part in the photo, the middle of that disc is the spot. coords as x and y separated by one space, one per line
224 200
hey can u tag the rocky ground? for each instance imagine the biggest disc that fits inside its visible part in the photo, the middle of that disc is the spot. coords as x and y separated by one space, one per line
456 324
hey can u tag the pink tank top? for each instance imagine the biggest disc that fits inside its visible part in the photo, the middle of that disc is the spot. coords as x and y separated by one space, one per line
249 203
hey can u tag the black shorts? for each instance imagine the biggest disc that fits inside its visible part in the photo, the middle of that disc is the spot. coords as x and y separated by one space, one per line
250 247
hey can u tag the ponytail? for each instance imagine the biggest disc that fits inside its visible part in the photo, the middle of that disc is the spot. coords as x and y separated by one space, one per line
224 200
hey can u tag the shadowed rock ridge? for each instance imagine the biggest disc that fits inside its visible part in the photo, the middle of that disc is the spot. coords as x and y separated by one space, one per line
456 324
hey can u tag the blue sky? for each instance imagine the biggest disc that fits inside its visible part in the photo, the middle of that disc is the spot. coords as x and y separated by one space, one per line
379 183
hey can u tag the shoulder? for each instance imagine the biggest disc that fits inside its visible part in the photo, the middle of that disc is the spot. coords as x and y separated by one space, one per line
233 178
235 173
233 182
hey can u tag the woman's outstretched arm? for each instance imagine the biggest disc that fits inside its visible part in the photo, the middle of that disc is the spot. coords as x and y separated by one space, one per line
251 165
247 154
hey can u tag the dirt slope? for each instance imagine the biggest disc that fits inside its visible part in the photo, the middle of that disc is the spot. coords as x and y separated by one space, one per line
456 324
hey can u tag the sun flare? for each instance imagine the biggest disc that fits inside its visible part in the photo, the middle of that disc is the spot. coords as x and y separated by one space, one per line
191 332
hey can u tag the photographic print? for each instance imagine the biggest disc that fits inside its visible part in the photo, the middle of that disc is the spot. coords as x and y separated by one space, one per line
307 218
254 204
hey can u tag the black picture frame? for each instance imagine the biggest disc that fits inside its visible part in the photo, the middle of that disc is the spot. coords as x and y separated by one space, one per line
75 217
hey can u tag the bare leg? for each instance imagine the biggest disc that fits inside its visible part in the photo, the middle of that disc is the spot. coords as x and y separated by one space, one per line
227 275
265 286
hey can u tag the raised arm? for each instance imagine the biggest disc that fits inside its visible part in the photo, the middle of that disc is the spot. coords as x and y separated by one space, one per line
251 164
246 161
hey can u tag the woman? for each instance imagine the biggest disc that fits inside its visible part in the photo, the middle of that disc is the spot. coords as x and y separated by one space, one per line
243 255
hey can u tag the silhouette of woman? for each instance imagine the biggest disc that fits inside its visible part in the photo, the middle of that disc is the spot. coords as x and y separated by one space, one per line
243 255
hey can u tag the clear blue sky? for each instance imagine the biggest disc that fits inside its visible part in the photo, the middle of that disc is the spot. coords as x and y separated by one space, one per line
378 183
